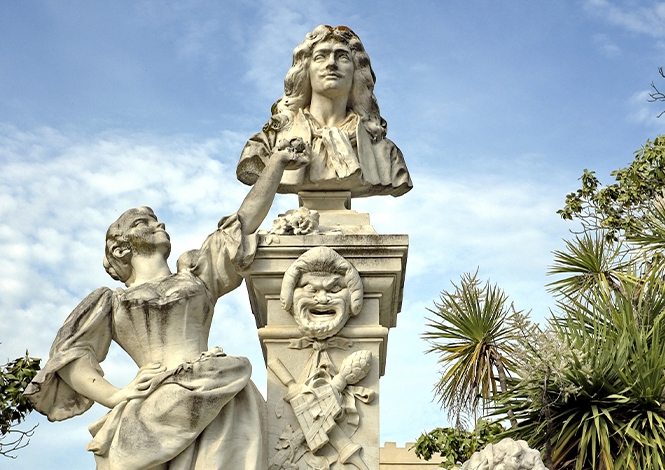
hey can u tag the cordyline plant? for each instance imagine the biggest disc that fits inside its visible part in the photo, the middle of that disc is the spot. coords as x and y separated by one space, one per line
468 331
588 388
598 403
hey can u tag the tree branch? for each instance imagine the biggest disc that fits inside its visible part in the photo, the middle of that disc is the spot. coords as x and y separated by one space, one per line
657 95
14 440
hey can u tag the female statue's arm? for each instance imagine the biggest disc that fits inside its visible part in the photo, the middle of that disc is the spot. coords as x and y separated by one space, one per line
228 250
86 379
287 156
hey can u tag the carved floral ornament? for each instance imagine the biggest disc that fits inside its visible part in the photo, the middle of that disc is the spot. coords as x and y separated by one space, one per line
300 221
322 290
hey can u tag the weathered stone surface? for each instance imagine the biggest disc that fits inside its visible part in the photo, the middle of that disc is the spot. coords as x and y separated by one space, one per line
294 349
323 322
322 291
380 260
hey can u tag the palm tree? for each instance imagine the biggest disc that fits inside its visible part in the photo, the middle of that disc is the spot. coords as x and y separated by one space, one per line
471 335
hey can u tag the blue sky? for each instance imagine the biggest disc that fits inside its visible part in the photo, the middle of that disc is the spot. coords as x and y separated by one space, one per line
497 107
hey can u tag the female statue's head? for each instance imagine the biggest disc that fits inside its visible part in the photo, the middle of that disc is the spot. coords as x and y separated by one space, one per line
136 231
298 88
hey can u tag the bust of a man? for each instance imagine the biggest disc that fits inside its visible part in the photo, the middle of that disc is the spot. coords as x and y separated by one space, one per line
329 103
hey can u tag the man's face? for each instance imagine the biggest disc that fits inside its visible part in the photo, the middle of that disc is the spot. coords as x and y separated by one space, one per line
331 69
321 304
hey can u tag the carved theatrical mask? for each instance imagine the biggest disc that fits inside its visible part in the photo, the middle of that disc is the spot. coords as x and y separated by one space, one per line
321 304
321 290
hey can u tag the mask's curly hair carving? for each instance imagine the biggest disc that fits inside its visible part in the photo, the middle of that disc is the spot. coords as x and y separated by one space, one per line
298 89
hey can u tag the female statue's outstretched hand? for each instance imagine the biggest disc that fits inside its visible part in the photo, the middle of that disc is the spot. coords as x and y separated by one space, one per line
295 153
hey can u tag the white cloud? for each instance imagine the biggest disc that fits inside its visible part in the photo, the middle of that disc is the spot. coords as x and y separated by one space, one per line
648 19
501 223
58 194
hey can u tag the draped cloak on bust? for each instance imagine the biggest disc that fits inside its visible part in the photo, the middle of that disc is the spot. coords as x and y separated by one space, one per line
345 158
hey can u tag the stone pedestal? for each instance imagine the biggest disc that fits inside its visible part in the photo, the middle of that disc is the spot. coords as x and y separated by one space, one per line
335 212
380 260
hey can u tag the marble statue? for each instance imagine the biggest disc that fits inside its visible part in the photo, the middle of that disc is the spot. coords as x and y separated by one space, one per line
190 406
506 454
322 290
329 103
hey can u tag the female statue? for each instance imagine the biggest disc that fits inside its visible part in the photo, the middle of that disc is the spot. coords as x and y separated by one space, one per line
329 103
189 407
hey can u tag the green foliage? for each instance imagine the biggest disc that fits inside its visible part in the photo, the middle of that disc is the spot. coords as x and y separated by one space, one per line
605 407
588 261
618 208
14 407
14 378
588 388
456 445
469 333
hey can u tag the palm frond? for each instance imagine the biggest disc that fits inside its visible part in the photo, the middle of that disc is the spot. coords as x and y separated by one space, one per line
587 261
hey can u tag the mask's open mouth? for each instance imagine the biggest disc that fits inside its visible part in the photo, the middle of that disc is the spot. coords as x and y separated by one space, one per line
320 320
322 312
318 312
